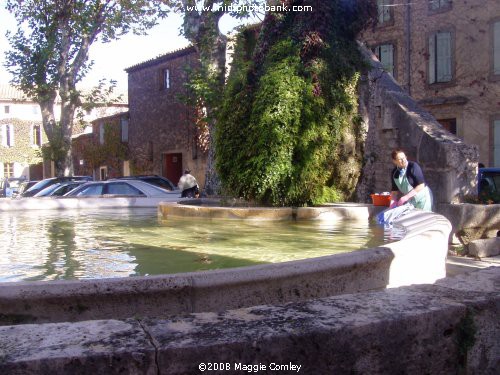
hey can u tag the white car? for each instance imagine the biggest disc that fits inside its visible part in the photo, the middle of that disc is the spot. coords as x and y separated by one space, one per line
121 188
99 194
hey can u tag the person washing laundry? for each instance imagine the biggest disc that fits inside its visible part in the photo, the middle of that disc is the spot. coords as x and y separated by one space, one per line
408 180
188 185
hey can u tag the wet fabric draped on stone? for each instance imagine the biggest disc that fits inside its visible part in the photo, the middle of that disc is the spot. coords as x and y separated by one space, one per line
388 216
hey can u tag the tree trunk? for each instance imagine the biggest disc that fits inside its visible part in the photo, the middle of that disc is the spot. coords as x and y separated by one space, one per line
202 30
59 134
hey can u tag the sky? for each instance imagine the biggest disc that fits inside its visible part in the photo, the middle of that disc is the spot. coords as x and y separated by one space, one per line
112 58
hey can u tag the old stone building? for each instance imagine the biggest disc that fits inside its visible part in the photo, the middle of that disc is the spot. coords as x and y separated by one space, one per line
164 134
22 134
103 153
446 54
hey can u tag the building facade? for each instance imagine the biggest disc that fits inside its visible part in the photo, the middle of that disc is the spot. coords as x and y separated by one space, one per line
103 153
165 134
22 134
446 54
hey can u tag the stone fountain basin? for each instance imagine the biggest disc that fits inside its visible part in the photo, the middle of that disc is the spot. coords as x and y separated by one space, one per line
418 258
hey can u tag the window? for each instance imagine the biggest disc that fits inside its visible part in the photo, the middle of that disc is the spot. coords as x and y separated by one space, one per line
8 169
439 4
6 109
103 173
8 135
384 11
496 143
126 168
449 124
36 135
166 79
90 190
124 126
121 188
35 109
385 54
101 133
496 48
440 57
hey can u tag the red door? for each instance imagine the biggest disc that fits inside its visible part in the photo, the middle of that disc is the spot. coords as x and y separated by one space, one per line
172 167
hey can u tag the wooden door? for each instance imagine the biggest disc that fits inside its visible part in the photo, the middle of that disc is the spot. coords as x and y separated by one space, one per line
172 167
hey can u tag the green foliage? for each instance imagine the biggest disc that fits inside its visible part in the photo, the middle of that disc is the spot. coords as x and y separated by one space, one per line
288 131
111 150
49 54
328 195
23 150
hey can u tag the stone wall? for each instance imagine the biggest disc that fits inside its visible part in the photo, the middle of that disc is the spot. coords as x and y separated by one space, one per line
89 154
393 119
160 122
471 96
448 328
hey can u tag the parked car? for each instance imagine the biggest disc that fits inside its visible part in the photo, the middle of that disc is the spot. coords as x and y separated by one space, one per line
40 185
25 185
9 186
98 195
160 181
59 189
120 188
489 185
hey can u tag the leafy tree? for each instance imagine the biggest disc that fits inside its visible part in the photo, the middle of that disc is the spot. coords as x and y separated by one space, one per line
50 54
288 131
201 28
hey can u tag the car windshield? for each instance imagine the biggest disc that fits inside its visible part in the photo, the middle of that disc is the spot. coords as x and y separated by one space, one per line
41 184
47 191
65 188
87 190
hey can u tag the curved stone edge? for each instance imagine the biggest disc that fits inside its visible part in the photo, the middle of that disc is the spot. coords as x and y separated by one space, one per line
453 325
192 209
174 209
418 258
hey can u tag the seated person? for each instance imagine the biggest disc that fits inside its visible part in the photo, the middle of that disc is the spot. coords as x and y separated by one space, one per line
188 185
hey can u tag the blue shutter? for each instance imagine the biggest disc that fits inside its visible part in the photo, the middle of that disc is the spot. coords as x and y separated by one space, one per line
432 59
496 48
387 57
496 143
443 58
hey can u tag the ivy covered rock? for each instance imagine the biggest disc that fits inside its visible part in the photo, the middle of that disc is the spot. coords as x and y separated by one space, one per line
288 131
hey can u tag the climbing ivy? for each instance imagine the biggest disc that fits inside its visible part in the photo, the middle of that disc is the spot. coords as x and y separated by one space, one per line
288 130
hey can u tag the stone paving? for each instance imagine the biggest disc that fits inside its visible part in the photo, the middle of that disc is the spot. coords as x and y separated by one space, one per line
456 265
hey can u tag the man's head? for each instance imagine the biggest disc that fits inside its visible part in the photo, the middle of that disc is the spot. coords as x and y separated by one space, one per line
187 171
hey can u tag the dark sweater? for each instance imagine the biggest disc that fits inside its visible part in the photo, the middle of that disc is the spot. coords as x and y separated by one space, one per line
413 173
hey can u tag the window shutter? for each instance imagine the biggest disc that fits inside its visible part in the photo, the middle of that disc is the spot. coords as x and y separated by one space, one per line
387 57
166 77
443 41
9 135
101 133
496 48
432 59
381 10
124 124
496 143
160 79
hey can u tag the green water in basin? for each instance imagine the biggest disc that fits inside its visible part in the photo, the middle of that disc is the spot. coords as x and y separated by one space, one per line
51 245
